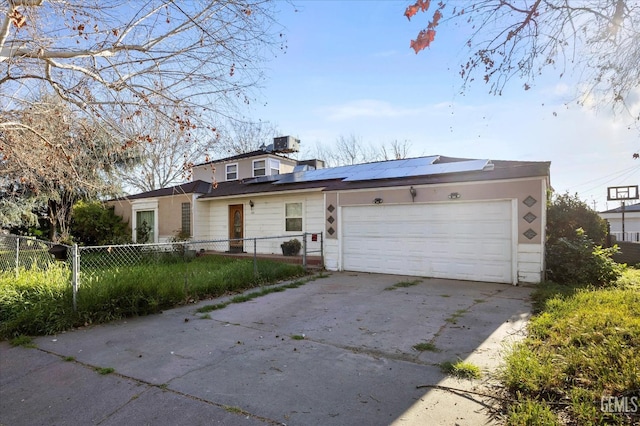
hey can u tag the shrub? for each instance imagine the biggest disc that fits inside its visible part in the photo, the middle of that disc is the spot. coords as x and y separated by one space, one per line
580 261
566 213
94 224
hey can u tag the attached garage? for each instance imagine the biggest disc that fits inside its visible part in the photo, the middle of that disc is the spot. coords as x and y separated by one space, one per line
457 240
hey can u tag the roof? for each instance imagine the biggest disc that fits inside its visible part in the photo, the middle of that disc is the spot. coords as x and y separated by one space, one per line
195 187
245 155
417 171
627 209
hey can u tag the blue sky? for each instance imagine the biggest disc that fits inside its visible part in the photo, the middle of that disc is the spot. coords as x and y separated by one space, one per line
348 70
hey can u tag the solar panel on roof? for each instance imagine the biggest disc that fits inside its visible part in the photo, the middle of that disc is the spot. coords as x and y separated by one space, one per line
262 179
422 166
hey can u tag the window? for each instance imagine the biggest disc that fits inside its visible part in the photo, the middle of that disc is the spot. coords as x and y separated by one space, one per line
293 217
259 167
145 227
186 219
274 165
232 171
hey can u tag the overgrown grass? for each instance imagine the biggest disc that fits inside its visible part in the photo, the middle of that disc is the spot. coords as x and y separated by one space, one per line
461 369
404 284
24 341
583 344
40 301
104 370
425 347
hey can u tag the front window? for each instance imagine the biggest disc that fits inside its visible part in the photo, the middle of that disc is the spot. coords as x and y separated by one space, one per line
293 217
145 227
232 171
259 168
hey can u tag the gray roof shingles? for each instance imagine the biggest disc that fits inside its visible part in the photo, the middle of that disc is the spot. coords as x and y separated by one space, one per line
627 208
501 170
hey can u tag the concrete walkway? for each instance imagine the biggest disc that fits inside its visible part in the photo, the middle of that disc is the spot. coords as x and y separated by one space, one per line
335 351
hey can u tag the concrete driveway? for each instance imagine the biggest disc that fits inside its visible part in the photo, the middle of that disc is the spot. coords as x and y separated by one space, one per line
245 365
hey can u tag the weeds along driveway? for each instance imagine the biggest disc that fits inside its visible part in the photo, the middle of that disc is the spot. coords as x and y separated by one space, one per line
335 351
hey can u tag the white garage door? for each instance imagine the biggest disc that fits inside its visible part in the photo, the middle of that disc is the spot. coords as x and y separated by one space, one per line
468 241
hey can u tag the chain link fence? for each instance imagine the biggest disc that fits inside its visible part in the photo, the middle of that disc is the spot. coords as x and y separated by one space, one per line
17 252
91 264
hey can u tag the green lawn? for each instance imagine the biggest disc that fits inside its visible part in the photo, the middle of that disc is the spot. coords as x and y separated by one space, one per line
40 301
583 348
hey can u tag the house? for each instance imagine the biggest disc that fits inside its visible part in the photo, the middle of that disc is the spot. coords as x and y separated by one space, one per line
157 216
631 222
163 214
434 216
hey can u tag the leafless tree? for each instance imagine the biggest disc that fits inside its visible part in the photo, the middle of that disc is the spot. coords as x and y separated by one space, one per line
117 59
162 152
396 150
241 136
352 149
597 39
52 158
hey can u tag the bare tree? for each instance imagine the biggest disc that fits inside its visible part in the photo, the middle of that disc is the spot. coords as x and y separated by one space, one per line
50 160
396 150
241 136
163 152
598 39
113 59
352 149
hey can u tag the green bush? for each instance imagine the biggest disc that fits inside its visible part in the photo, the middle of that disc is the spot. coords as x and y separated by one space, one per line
580 261
566 213
94 224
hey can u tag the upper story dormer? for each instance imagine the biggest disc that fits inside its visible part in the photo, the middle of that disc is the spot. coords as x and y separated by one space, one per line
263 162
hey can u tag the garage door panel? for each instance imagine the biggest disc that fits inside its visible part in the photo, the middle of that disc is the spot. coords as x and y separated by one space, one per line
453 240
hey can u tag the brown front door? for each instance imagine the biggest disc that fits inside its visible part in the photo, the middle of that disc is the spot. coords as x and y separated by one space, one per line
236 228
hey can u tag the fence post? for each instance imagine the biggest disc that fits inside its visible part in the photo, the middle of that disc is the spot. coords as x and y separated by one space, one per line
75 266
255 258
17 256
322 250
304 250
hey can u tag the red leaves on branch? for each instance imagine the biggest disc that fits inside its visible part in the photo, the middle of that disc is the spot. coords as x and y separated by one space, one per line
419 6
426 37
17 19
437 15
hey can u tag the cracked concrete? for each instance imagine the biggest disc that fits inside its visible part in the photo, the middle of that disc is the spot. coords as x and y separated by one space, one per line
355 365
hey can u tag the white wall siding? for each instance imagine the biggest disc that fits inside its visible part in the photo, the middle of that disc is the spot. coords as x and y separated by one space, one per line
530 259
201 220
266 218
331 256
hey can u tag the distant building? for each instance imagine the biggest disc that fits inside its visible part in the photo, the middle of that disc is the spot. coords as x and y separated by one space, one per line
631 222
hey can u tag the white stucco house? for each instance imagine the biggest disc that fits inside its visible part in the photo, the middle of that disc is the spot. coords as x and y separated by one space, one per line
433 216
631 222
